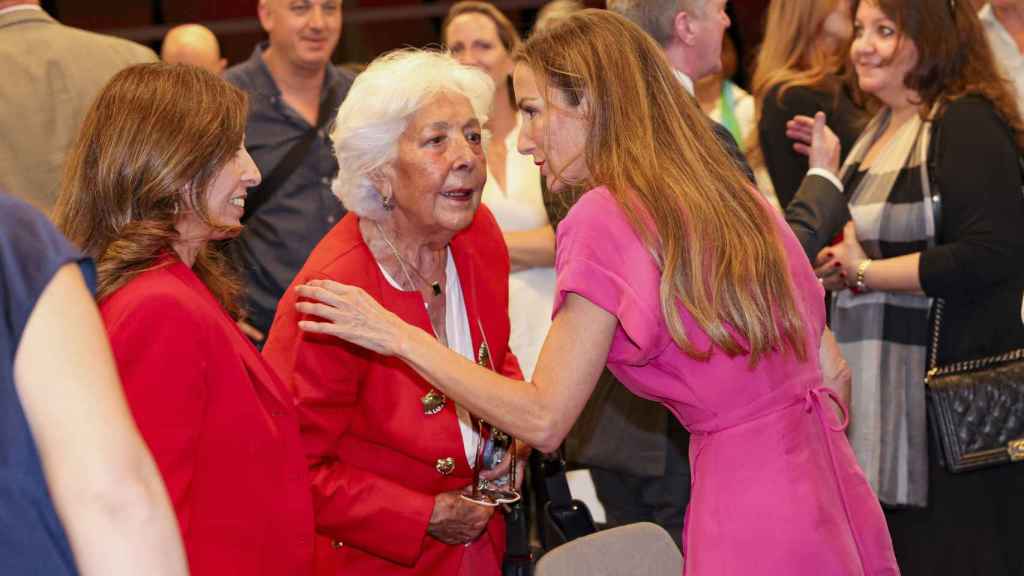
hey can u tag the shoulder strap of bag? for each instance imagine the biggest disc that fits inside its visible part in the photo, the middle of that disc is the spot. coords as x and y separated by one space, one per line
934 149
284 169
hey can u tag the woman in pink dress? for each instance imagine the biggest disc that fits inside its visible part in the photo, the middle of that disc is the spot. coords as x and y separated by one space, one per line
675 274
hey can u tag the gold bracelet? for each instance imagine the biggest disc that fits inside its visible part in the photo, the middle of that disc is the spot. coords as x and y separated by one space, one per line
862 269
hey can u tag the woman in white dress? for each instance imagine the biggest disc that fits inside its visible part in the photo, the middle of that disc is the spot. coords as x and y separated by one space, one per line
478 34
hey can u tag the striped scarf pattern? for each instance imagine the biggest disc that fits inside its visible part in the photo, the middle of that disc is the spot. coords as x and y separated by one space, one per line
884 335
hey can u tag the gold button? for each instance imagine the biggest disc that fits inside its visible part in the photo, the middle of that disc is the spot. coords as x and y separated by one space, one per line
445 466
433 402
337 544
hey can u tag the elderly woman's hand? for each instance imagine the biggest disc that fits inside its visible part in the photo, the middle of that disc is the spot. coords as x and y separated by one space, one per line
351 314
814 139
456 520
836 265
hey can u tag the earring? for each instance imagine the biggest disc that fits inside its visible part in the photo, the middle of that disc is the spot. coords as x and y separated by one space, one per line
387 202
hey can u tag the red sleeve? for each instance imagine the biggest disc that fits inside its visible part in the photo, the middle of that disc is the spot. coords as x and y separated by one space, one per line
160 348
361 509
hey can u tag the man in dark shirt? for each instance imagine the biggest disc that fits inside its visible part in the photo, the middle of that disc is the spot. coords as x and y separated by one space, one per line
294 91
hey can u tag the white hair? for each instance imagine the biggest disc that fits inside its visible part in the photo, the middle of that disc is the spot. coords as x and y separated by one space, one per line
377 110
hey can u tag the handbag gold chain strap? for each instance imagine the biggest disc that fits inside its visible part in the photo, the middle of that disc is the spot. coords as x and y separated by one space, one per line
935 371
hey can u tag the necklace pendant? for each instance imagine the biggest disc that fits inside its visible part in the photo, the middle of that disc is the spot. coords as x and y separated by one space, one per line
483 358
433 402
436 287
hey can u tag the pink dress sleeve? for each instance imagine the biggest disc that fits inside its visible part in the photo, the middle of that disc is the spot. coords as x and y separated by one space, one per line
600 258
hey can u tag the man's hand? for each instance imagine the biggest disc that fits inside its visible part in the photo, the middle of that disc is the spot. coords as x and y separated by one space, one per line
814 139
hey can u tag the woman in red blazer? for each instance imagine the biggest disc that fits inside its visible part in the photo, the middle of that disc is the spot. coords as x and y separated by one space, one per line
160 170
389 455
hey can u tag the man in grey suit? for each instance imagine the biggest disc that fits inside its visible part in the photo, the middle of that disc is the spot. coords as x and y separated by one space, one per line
636 450
51 74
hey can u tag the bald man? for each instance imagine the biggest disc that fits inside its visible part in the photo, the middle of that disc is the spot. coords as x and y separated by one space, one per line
193 44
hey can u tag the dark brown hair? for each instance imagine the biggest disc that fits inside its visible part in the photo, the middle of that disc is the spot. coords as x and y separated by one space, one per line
720 253
954 58
151 144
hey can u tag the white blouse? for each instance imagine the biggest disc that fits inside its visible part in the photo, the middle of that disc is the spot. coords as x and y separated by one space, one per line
460 339
531 293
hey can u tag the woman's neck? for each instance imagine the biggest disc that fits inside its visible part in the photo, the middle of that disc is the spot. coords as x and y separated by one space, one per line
502 115
390 242
188 250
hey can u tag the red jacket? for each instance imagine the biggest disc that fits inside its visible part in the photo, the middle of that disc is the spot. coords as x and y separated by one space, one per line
372 451
220 425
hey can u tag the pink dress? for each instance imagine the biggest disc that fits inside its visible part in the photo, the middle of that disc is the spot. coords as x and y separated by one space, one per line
775 486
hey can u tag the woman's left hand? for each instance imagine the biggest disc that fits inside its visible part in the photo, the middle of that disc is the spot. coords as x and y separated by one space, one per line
352 315
522 456
836 265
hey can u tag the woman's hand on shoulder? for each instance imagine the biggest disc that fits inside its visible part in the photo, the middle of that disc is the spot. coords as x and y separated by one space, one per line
350 314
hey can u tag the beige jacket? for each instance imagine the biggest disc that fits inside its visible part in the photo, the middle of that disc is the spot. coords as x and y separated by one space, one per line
51 73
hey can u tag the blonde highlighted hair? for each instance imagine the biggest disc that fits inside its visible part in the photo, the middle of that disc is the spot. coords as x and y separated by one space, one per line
150 146
794 55
720 255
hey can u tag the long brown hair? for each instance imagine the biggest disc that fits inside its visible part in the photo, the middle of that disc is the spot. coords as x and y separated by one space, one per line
792 55
715 242
150 145
954 57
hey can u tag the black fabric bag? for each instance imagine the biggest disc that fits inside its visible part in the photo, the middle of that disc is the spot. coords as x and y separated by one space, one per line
518 559
562 519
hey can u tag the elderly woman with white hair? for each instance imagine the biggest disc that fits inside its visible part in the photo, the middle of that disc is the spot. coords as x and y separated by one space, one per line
389 454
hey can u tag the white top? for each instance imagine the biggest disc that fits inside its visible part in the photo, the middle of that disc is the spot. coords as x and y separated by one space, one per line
1007 54
531 293
460 339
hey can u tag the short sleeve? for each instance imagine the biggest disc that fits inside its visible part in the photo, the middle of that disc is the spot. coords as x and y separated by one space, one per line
31 252
600 258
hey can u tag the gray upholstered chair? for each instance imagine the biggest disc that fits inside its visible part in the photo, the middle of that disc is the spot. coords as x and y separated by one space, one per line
641 549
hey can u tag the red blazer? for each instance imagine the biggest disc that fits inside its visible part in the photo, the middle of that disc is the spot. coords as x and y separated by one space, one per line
372 452
219 423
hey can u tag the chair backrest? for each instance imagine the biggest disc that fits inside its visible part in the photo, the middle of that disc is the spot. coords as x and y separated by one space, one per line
641 549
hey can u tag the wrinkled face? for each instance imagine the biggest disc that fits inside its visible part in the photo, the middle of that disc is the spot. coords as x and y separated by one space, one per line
881 55
440 169
553 131
837 27
473 40
304 32
708 29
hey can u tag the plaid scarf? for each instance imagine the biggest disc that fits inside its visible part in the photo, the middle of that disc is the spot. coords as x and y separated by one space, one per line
884 335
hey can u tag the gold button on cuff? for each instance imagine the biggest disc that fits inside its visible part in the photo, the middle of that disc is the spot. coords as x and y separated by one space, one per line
445 466
337 544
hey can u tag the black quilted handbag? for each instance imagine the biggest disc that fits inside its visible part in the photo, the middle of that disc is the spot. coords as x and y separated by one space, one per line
976 407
